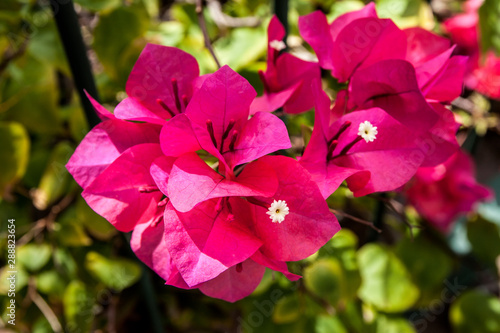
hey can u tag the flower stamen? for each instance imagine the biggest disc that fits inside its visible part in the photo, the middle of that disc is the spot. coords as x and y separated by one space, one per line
277 211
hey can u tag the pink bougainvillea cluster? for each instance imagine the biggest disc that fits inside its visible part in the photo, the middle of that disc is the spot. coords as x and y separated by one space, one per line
192 165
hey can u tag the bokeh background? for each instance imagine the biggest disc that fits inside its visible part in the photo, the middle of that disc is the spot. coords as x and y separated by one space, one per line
76 273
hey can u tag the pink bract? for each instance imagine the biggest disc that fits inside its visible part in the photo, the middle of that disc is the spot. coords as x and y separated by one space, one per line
335 152
483 70
216 120
442 193
287 79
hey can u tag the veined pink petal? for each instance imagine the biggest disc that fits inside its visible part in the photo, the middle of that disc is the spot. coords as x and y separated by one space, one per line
192 181
148 244
101 111
264 133
116 193
309 224
272 101
224 95
364 42
151 79
132 109
279 266
449 84
392 86
343 20
236 282
103 144
424 45
160 171
203 243
315 30
177 137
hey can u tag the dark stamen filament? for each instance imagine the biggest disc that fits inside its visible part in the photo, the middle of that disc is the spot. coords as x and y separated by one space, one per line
349 146
176 94
342 129
165 106
184 101
331 148
230 125
239 267
257 202
210 128
233 140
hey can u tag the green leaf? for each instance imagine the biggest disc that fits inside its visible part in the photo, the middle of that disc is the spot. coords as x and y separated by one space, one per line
242 48
426 262
489 26
99 5
475 312
393 324
78 303
14 154
46 47
117 274
326 324
71 234
30 95
485 239
55 179
287 309
33 256
325 278
96 225
386 284
21 278
50 283
114 38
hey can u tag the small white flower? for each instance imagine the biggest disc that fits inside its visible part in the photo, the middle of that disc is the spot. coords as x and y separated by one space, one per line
367 131
278 45
278 211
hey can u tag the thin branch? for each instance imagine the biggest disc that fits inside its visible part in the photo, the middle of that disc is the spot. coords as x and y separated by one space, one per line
223 20
356 219
42 223
203 27
44 308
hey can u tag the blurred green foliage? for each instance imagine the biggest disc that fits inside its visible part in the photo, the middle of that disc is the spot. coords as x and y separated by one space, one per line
84 271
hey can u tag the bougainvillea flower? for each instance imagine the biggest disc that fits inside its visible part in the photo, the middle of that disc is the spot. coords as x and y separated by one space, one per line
159 86
439 73
287 79
216 120
483 71
441 193
125 193
358 40
386 159
308 221
232 284
105 143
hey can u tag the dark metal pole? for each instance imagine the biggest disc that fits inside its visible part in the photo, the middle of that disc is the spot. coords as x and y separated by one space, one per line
76 53
281 11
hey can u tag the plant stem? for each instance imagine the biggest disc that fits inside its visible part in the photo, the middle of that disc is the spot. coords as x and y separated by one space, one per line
76 53
203 27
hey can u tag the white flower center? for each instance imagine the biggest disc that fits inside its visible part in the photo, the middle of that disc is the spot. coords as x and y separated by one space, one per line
278 211
278 45
367 131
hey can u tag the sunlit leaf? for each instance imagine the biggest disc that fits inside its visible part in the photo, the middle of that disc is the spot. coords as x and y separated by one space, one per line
78 303
116 273
33 256
14 152
386 284
476 312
